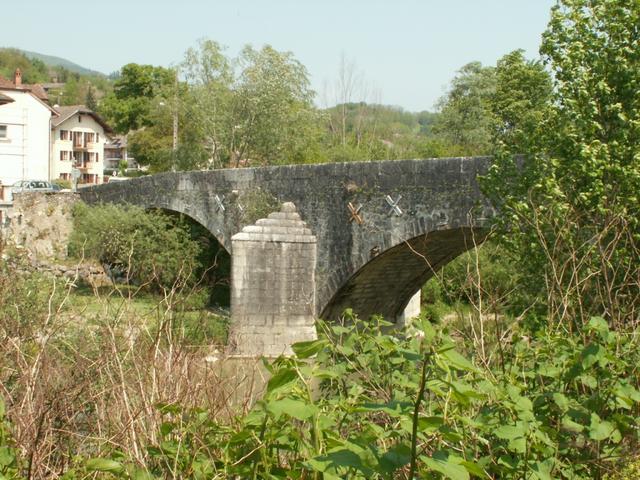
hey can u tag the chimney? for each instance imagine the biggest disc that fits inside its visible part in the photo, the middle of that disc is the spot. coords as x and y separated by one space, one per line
17 78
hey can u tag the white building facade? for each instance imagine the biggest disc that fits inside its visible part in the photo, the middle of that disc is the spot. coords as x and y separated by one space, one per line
78 139
25 129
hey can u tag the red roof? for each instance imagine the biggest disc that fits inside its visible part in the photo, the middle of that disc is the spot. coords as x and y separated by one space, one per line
36 88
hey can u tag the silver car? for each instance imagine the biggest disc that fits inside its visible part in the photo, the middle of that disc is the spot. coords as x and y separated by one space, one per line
32 186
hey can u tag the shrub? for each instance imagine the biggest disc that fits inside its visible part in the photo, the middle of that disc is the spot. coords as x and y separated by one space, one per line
148 247
358 404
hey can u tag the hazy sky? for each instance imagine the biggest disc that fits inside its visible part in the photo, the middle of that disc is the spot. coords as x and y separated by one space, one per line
406 50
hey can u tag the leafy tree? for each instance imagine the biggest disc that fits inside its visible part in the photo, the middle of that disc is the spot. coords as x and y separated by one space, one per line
90 99
129 105
153 145
572 207
521 99
209 74
275 119
255 109
464 118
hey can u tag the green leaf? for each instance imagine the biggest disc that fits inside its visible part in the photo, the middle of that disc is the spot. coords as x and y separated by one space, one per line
427 329
6 456
140 474
104 465
458 361
592 354
393 408
396 457
561 401
626 395
542 470
429 424
308 349
294 408
448 465
281 379
474 469
570 425
600 429
509 432
598 325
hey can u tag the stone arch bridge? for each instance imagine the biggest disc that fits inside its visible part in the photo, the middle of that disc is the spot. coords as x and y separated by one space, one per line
360 235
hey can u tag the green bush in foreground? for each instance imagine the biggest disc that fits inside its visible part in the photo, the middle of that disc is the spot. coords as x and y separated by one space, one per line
358 404
9 459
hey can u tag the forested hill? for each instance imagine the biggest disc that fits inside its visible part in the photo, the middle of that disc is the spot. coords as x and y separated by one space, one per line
53 61
77 85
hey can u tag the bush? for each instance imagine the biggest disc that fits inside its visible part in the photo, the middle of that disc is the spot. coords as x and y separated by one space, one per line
147 247
484 274
374 406
62 183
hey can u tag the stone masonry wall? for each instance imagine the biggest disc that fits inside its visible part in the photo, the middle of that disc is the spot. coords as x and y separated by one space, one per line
273 285
41 223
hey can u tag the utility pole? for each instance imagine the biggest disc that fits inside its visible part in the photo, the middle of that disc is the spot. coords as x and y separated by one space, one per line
175 122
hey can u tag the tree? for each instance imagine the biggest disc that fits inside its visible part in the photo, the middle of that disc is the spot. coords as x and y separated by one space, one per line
129 105
209 74
255 109
522 97
571 205
465 120
274 117
90 99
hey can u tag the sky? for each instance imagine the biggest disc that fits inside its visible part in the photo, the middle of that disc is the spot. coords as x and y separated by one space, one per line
405 51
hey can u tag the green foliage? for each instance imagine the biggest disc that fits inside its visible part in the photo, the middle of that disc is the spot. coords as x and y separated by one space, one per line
487 275
129 105
258 204
488 105
464 119
260 113
33 71
570 204
359 404
521 99
62 183
146 247
10 464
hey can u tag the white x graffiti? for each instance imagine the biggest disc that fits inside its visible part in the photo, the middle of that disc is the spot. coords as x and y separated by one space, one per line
394 205
220 205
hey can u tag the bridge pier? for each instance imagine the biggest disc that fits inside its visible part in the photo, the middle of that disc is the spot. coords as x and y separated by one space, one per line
272 285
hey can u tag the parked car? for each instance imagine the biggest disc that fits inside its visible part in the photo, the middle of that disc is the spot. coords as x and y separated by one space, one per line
32 186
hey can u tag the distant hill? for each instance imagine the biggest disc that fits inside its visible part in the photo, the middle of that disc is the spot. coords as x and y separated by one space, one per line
61 62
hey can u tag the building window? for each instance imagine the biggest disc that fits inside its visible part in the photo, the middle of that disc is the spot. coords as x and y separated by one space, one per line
64 134
3 131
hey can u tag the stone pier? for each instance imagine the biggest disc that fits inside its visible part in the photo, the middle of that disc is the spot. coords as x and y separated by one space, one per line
273 285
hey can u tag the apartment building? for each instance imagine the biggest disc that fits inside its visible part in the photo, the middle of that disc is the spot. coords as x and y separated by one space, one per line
77 142
25 127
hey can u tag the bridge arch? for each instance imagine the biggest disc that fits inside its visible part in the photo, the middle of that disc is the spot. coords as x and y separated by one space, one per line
385 282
